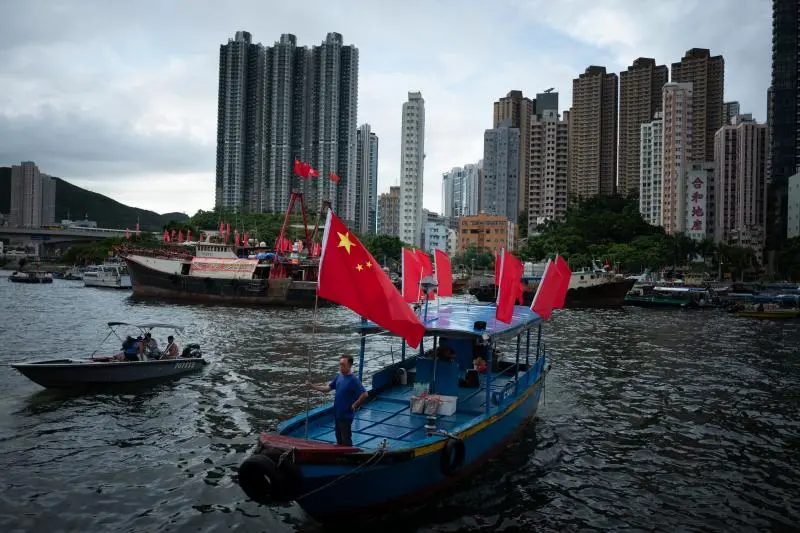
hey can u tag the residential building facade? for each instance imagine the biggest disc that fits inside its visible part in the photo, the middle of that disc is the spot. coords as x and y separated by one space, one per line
740 157
640 98
729 111
487 233
706 73
33 197
366 214
593 134
501 171
517 110
677 155
389 212
281 103
460 191
793 211
784 114
651 153
547 189
412 168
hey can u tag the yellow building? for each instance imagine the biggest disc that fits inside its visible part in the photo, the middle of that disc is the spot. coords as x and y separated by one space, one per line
486 232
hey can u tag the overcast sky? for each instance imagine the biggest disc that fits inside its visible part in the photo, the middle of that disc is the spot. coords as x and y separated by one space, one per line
121 98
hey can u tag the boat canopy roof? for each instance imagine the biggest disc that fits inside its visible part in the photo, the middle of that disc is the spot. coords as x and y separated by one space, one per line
680 289
458 320
151 325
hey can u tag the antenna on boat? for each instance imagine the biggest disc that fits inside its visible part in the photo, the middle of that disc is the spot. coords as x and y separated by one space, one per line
308 351
427 284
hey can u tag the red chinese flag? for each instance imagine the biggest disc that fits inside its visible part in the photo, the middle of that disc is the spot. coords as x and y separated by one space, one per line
350 276
565 276
166 236
301 169
511 270
333 177
238 239
312 172
246 240
444 273
172 235
412 275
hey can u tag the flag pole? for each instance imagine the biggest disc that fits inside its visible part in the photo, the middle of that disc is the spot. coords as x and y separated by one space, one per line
308 351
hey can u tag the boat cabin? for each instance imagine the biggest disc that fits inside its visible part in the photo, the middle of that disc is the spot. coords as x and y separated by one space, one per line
440 388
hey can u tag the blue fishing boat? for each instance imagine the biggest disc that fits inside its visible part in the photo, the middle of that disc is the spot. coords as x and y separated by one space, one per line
406 443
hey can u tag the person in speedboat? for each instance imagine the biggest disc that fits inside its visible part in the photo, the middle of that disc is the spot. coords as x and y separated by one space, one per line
172 350
148 348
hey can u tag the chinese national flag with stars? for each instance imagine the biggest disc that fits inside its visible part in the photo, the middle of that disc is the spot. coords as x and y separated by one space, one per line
350 276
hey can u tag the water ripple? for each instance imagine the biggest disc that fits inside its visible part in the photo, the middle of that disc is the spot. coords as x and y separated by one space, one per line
651 421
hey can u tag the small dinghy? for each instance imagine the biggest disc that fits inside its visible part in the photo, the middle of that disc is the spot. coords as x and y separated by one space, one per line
132 364
30 277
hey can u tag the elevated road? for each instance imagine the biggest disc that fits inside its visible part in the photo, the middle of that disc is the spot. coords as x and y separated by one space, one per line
58 236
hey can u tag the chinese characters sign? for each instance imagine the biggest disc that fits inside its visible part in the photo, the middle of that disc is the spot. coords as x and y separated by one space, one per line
696 207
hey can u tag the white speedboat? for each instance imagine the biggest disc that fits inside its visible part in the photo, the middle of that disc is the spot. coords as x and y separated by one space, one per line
112 274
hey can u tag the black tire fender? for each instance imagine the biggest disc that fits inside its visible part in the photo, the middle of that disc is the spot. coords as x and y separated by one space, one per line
452 457
261 479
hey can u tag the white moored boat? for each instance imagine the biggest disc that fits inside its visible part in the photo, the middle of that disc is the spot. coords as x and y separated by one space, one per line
112 274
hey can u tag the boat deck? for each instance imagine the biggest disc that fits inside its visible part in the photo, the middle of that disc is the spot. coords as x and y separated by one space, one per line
388 416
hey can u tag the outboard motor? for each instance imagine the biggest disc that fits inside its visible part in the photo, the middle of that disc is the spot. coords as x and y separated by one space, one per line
192 350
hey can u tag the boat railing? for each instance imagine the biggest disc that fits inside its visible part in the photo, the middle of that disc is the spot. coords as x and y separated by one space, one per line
161 253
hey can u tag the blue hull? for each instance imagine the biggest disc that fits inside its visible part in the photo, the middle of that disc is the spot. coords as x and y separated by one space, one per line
369 488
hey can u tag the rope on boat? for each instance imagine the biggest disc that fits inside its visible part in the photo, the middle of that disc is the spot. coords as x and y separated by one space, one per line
379 453
308 350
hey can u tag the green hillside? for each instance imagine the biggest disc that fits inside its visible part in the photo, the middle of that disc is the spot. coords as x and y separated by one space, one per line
78 202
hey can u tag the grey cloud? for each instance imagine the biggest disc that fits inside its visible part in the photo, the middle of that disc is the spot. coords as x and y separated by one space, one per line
74 145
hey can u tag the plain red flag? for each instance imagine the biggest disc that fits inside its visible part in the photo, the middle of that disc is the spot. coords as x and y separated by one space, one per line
411 272
549 291
566 276
301 169
511 271
427 268
498 260
444 273
350 276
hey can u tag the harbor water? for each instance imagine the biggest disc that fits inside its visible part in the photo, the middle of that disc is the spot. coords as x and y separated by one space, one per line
651 421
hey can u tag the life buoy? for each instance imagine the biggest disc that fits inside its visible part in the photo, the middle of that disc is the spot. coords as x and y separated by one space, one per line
265 482
452 458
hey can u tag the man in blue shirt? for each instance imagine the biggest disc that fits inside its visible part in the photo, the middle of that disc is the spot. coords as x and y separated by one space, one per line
350 394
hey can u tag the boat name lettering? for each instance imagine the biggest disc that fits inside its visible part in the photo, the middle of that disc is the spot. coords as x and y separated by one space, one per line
184 365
